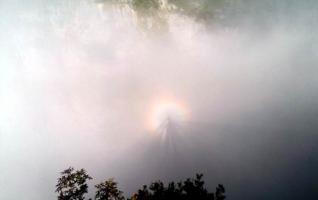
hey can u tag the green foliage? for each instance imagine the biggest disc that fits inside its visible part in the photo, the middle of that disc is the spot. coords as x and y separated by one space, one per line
153 14
148 7
201 10
72 184
108 190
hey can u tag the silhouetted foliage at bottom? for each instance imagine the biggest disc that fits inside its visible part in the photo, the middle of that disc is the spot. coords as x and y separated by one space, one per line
108 190
72 186
190 189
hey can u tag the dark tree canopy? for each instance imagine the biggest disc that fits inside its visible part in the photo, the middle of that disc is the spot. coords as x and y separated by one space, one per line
72 185
108 190
190 189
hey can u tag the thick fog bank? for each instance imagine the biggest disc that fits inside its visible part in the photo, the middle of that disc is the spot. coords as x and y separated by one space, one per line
78 80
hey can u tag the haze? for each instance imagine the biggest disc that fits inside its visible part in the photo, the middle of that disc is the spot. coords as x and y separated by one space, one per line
78 80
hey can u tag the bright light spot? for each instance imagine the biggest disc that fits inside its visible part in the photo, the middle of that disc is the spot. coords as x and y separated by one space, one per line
167 109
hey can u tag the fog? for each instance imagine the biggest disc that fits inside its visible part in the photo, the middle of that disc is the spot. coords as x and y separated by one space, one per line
78 80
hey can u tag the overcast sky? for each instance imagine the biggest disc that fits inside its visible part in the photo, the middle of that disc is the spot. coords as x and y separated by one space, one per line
79 80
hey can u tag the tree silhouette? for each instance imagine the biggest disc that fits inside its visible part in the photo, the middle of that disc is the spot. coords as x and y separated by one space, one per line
190 189
72 184
194 189
219 194
142 194
108 190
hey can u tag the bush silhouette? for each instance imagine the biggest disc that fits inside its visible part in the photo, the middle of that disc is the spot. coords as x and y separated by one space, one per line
190 189
72 185
108 190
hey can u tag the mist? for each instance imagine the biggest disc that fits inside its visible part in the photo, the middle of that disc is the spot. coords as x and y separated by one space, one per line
78 80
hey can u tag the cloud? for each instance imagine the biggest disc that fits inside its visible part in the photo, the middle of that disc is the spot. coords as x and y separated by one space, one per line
77 83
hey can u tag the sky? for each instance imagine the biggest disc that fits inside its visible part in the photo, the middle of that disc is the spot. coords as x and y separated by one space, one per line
88 84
